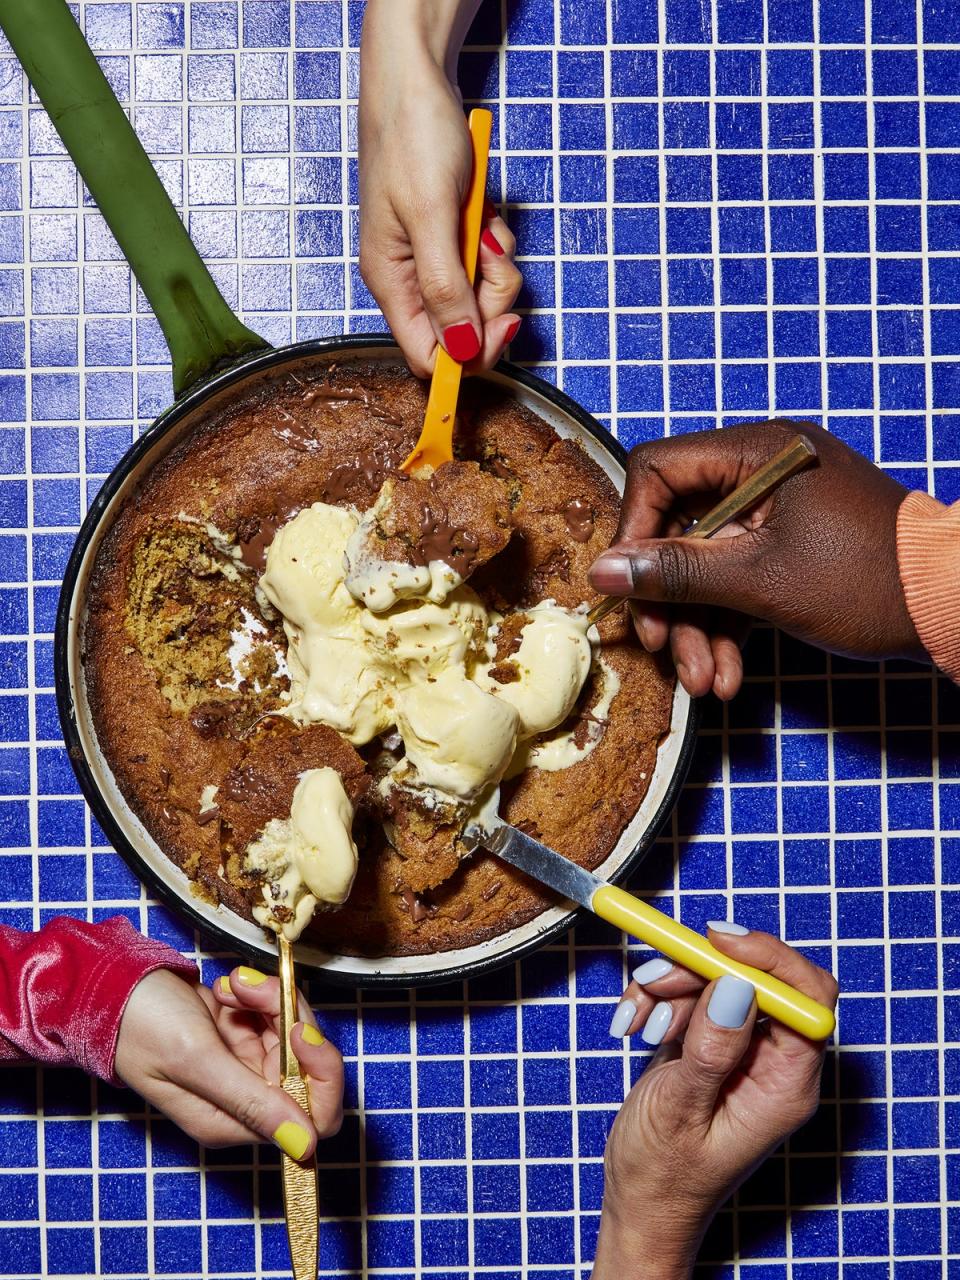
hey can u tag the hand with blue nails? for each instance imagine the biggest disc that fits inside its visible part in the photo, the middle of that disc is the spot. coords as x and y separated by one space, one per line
721 1093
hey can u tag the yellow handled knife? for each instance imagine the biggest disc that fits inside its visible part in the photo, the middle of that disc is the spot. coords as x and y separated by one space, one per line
668 936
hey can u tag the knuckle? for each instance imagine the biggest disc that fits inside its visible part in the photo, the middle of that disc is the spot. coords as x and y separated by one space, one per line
806 1109
642 465
679 573
712 1056
506 285
249 1112
639 460
507 240
440 292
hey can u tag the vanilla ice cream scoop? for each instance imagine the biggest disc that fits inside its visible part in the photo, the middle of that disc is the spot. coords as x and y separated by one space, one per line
307 858
458 737
552 664
333 677
421 666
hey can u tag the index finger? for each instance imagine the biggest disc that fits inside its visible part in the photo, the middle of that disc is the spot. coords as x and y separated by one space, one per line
764 951
691 472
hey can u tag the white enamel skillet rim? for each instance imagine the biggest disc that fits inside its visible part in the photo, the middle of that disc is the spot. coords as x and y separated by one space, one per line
222 928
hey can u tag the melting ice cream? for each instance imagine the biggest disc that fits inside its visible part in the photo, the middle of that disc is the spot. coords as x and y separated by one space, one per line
307 858
420 667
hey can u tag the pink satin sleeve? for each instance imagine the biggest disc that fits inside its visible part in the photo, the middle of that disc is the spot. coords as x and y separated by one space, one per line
928 551
63 990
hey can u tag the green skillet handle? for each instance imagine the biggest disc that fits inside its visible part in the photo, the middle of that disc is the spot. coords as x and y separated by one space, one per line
201 330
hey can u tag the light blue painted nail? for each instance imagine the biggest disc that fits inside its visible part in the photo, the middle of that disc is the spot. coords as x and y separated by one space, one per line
624 1014
730 1002
652 971
658 1024
727 926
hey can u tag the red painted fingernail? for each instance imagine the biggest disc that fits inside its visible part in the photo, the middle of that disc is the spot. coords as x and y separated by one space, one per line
489 211
511 333
491 241
461 341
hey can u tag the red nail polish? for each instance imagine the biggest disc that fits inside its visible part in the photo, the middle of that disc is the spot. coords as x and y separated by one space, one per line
489 211
491 241
511 333
461 341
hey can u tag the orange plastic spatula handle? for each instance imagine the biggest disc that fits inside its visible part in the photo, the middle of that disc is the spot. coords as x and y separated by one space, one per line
435 445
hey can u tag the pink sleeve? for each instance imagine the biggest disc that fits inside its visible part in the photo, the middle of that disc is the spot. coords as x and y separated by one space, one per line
928 550
63 990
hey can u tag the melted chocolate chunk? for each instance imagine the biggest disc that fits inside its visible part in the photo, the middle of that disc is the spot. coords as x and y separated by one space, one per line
212 719
255 535
333 395
247 784
578 517
556 565
418 909
438 541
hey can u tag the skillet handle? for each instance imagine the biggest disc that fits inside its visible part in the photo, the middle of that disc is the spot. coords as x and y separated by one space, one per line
200 329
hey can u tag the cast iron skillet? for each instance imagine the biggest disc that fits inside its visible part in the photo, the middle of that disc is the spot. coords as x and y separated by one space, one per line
125 830
216 358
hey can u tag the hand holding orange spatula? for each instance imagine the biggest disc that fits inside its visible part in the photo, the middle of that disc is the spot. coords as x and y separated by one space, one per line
435 445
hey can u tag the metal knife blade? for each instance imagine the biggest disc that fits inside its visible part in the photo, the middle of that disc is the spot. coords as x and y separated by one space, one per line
537 860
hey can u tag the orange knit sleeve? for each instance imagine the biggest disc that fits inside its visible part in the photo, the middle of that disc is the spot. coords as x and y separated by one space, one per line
928 551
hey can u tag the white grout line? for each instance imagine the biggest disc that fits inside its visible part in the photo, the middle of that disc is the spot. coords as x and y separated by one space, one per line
728 734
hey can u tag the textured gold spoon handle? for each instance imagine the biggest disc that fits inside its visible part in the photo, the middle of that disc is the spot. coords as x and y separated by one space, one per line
799 453
301 1200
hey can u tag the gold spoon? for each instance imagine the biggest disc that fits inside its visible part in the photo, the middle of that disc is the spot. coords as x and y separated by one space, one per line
799 453
301 1198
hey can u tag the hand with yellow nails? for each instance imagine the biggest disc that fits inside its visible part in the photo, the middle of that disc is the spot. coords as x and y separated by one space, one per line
210 1061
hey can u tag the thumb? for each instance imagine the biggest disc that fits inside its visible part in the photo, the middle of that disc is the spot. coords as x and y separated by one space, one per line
263 1109
681 571
448 296
715 1042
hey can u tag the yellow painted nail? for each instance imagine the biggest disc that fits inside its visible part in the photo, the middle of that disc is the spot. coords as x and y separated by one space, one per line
312 1034
292 1138
225 986
252 977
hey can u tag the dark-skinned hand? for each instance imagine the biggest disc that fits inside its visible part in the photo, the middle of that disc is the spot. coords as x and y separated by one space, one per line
817 558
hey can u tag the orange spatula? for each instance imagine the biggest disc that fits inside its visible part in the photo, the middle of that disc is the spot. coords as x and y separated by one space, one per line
435 445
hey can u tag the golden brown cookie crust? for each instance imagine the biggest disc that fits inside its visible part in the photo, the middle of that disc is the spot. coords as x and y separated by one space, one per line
276 450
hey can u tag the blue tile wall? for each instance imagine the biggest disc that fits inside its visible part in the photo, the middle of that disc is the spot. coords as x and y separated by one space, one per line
725 210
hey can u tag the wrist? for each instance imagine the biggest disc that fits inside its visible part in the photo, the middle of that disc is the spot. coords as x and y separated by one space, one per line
642 1253
659 1242
400 36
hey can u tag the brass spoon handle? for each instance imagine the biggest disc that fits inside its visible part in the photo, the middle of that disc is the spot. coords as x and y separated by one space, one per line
301 1200
799 453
